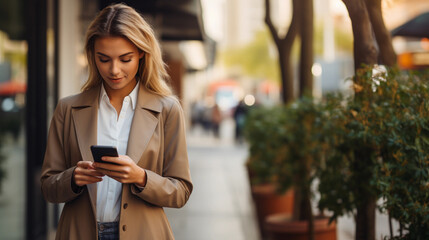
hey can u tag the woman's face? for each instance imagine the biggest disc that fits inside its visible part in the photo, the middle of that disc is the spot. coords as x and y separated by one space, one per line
117 61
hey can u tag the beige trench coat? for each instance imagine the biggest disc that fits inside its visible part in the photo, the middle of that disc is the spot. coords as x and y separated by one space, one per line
157 144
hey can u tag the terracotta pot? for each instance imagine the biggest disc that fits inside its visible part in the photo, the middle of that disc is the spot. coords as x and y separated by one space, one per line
268 201
280 226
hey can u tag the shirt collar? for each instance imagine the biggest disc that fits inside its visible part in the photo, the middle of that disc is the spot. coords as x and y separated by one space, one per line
133 95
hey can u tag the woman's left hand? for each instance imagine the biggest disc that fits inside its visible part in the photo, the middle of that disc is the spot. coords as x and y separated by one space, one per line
123 169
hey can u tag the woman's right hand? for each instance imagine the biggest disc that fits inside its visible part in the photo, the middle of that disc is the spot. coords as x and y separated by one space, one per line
85 173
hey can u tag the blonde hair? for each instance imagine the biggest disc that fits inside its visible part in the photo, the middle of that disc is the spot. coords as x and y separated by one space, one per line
123 21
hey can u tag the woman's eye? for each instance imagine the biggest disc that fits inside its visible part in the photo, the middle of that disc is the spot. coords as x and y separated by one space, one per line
126 60
103 60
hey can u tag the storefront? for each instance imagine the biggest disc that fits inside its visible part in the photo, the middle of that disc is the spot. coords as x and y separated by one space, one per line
27 95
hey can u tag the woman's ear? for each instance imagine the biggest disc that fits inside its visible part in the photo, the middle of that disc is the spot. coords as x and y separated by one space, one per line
141 55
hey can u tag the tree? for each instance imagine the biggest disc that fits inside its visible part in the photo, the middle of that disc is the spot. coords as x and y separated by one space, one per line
307 52
302 25
386 53
364 49
367 22
284 48
253 59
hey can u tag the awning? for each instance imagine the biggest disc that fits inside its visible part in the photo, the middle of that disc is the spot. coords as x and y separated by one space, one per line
12 88
178 20
173 20
416 27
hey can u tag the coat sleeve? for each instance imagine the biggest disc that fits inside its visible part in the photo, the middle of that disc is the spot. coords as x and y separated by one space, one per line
174 186
56 175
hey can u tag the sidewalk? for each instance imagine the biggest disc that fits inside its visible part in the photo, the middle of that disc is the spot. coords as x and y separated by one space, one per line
220 206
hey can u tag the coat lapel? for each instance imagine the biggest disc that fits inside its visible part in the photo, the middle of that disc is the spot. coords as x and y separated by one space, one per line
85 117
144 123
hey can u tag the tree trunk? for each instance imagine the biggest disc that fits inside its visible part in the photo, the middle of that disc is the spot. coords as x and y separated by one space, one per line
286 73
364 54
284 47
306 58
310 220
302 205
366 204
387 55
302 210
365 219
364 50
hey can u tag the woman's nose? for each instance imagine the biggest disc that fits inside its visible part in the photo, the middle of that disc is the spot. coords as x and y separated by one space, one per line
114 69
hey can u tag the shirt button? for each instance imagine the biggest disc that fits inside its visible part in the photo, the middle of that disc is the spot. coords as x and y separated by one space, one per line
101 227
124 228
125 205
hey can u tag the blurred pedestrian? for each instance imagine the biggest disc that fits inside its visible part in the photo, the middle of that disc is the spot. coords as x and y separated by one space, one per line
240 113
125 103
197 114
216 119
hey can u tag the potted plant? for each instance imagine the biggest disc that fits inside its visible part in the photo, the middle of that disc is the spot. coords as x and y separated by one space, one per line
348 176
299 149
261 125
376 137
403 177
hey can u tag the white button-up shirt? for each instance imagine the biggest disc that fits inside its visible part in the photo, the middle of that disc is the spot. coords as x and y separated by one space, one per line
113 131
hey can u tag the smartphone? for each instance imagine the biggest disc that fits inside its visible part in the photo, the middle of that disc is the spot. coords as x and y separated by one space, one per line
99 151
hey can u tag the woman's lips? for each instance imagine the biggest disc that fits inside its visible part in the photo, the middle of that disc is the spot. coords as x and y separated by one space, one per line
115 80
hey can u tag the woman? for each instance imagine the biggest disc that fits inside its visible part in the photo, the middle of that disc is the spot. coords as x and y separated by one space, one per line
125 103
